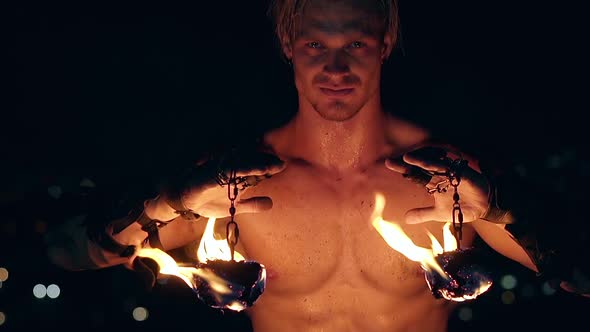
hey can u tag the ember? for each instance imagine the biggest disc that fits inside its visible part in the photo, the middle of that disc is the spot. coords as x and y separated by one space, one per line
464 279
245 279
218 281
450 273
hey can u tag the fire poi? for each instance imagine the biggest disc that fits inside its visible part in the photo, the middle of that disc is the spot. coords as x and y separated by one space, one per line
222 278
451 272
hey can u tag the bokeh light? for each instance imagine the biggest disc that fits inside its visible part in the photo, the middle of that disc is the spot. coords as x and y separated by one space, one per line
2 318
140 314
87 183
508 297
547 289
508 281
39 291
55 191
3 274
53 291
465 314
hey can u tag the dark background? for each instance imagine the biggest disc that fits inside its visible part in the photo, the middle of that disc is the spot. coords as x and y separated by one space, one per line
106 97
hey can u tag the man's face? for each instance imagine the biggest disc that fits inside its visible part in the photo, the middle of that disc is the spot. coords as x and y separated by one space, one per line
337 52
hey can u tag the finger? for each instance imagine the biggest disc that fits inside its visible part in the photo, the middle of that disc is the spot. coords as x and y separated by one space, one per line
251 181
258 164
408 171
253 204
569 287
578 282
429 164
267 170
430 158
254 166
428 152
398 165
422 215
417 164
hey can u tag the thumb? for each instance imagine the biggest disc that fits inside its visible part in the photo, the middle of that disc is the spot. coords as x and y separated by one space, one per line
421 215
254 204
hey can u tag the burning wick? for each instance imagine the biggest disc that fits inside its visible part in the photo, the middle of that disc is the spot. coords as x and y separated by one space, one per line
218 281
450 273
463 279
246 280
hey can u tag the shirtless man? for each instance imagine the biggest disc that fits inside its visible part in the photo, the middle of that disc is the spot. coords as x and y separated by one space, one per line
309 224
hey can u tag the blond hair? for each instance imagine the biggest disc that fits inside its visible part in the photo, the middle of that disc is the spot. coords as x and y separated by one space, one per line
284 12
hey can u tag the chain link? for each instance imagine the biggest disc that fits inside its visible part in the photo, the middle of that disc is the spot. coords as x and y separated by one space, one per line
232 231
454 176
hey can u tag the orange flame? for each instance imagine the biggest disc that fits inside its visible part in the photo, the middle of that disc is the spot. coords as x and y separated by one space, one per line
209 249
397 239
168 266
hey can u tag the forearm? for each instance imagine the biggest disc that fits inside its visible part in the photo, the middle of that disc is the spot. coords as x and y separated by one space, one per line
543 225
93 244
156 209
69 247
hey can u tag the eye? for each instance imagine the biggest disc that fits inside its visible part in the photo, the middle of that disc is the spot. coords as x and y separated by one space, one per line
356 44
314 44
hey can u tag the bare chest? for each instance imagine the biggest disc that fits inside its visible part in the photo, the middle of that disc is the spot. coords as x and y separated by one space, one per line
319 231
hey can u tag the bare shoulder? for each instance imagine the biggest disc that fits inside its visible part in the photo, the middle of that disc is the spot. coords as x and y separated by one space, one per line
403 134
277 140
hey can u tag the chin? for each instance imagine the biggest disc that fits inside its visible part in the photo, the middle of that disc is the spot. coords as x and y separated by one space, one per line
337 111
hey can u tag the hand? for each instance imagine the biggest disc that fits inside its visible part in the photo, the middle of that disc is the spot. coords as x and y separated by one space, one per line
578 283
200 191
419 165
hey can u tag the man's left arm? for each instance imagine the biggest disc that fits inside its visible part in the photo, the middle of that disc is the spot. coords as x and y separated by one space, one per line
507 214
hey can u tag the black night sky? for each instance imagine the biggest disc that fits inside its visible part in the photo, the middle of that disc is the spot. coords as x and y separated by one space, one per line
106 97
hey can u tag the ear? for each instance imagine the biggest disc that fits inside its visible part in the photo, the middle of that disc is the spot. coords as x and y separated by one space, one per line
286 46
388 43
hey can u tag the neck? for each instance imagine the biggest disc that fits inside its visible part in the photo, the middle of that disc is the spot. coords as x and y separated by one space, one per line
354 144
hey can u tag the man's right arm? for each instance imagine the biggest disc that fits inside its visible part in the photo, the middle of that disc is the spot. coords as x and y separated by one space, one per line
73 246
166 222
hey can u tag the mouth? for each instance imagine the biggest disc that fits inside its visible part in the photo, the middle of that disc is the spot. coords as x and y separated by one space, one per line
337 92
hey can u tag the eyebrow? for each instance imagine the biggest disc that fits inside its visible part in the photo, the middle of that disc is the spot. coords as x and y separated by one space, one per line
367 29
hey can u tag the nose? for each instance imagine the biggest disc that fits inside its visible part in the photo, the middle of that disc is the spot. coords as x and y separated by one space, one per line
337 63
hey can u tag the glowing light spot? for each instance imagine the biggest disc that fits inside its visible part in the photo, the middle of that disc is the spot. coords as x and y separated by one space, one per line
2 318
140 314
508 281
86 182
3 274
39 291
53 291
508 297
547 289
55 191
465 314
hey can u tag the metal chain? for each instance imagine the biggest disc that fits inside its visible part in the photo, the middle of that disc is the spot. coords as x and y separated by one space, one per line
232 232
454 175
